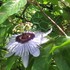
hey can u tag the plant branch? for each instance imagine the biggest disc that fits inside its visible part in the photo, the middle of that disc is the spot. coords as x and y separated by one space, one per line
63 3
25 8
17 16
53 22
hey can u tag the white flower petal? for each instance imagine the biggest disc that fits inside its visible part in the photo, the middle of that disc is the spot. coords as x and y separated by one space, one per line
34 50
44 40
38 34
14 48
19 50
9 54
12 40
10 43
35 44
45 34
37 40
25 59
13 45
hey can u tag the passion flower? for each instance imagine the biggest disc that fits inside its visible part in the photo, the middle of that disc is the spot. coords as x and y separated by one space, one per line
25 43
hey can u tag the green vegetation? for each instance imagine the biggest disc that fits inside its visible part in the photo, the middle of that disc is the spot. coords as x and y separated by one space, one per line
42 15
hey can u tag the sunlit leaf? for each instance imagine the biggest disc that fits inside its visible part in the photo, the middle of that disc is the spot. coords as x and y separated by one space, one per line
10 7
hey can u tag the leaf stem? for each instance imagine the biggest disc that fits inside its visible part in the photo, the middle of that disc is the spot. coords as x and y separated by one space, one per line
53 22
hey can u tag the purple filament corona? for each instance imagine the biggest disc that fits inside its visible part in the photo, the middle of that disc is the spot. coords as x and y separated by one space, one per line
25 37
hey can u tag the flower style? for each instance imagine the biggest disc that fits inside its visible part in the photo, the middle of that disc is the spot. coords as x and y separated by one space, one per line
25 43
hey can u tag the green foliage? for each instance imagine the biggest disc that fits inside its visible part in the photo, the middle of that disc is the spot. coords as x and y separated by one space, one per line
55 54
39 20
60 61
9 8
60 43
44 60
9 63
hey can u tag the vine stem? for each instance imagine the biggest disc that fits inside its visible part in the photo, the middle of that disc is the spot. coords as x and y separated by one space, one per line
53 22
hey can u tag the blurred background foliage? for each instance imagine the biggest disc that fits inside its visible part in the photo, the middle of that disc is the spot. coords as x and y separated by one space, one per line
16 14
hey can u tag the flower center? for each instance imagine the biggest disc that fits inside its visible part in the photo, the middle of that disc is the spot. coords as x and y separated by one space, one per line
25 37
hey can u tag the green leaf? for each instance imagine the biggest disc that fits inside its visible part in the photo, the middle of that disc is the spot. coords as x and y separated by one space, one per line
44 60
60 44
66 54
41 22
67 1
9 63
66 13
53 1
60 61
10 7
